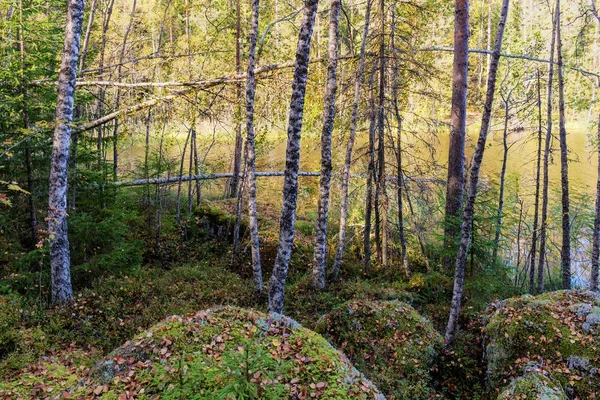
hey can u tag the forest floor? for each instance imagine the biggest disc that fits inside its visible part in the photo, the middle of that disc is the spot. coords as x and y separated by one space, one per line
52 348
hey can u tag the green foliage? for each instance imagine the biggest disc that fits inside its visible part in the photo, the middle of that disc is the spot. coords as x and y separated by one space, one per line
390 342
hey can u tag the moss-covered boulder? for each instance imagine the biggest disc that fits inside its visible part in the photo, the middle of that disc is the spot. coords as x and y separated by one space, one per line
558 331
227 353
389 341
533 386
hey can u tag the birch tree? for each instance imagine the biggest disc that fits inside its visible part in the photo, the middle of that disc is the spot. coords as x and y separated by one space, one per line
62 291
251 154
318 275
292 163
466 228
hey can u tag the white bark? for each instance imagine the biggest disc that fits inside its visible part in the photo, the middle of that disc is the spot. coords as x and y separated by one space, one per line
62 291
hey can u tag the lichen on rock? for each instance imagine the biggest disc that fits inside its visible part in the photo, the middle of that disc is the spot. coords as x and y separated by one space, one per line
228 353
557 331
533 386
389 342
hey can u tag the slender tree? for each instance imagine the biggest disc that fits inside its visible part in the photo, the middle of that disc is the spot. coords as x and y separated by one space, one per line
292 164
467 220
547 150
596 235
534 233
339 253
565 253
370 179
251 154
62 291
458 128
237 156
318 275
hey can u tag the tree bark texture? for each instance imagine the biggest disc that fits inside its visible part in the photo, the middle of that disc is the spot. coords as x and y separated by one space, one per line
596 234
318 275
290 182
565 253
251 158
62 291
458 130
534 234
467 220
339 253
547 150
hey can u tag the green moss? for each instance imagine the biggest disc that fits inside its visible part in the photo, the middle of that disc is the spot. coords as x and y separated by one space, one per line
533 386
557 330
389 341
229 352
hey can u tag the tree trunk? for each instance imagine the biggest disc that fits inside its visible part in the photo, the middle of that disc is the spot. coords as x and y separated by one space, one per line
179 184
62 291
101 94
500 211
467 220
381 202
596 235
547 150
534 237
237 156
88 33
339 253
458 123
565 256
251 154
318 275
290 182
118 96
369 189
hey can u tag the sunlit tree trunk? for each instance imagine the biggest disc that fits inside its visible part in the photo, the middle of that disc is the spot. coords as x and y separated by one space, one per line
339 253
467 220
534 234
60 264
547 150
237 156
251 154
369 188
458 130
564 162
505 148
318 275
88 34
118 96
290 180
596 234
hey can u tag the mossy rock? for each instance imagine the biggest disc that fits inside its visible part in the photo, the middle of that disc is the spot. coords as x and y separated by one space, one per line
558 331
533 386
389 342
212 222
227 353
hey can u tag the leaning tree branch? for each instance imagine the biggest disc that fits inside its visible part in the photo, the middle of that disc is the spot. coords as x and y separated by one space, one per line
519 56
192 86
204 177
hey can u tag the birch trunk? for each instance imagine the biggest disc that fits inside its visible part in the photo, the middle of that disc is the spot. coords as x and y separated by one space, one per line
596 235
467 220
339 253
458 129
565 255
547 150
251 158
534 237
62 291
290 182
318 274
